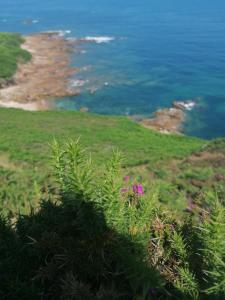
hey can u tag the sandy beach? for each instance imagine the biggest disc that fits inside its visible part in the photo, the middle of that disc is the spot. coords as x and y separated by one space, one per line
45 77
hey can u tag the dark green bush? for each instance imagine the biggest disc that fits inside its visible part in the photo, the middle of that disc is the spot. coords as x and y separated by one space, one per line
11 54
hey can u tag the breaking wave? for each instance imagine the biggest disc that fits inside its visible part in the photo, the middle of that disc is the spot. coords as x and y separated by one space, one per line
98 39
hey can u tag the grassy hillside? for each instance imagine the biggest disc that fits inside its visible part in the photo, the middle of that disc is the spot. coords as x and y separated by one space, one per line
184 169
25 138
11 54
148 227
35 130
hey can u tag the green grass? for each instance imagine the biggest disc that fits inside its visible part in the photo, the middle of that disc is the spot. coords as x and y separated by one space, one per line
150 157
25 136
11 54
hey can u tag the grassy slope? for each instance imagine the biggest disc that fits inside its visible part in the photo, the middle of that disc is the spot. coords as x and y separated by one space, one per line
151 157
25 138
11 54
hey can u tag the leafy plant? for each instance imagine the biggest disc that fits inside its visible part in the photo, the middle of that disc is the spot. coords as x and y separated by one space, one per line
97 236
11 54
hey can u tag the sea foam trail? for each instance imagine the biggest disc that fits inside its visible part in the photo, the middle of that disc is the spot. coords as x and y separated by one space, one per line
98 39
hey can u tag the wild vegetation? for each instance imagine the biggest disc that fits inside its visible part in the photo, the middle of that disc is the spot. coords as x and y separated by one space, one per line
184 168
24 149
100 235
11 54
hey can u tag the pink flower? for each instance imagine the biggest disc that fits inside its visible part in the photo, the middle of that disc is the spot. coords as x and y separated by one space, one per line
126 178
138 189
124 190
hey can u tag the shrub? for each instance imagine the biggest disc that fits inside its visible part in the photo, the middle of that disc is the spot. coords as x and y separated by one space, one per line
96 236
11 54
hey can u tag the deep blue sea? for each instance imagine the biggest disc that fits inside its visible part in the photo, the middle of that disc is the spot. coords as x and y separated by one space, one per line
157 51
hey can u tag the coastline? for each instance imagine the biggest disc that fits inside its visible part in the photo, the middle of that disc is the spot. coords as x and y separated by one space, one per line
48 76
45 77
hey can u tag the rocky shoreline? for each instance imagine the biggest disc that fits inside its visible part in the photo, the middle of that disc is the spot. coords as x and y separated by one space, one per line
168 120
45 77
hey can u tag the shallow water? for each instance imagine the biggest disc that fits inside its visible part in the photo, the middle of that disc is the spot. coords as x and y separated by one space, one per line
160 51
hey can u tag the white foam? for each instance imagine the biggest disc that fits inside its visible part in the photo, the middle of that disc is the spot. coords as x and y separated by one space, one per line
85 68
98 39
93 90
78 82
189 105
72 39
64 32
60 33
184 105
30 21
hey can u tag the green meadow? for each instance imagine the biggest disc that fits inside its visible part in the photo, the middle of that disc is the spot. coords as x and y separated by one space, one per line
31 132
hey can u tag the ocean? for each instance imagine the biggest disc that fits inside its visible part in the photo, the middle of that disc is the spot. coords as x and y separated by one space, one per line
142 54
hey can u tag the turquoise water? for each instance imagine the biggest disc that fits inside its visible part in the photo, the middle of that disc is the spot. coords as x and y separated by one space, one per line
161 51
